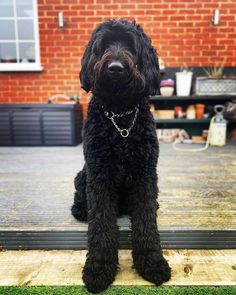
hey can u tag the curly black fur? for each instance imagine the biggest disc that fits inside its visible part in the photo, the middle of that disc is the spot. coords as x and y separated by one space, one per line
119 175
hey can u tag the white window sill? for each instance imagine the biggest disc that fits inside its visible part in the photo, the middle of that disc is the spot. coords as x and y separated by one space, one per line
20 68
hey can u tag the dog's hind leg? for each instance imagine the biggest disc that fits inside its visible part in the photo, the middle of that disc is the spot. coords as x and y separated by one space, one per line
79 208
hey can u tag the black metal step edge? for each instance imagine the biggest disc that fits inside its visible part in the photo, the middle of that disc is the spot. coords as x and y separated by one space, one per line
77 240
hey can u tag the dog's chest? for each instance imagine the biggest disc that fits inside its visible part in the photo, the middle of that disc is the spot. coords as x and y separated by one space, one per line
126 159
122 170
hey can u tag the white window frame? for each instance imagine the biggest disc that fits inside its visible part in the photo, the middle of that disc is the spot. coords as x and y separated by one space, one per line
25 67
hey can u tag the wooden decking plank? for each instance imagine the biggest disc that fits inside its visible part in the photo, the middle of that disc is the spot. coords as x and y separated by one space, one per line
197 190
55 268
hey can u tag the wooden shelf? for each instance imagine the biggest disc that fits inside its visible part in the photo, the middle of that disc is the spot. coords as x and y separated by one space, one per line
192 97
192 126
182 121
187 121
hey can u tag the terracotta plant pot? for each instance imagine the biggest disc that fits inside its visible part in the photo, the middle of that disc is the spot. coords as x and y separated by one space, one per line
200 108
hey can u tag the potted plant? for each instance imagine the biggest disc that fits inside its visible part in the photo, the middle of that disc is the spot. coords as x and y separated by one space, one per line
64 98
215 83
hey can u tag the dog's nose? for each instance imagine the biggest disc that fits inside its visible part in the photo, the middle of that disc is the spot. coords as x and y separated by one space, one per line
115 69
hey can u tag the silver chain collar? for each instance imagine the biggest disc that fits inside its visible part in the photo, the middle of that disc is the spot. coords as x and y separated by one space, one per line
123 132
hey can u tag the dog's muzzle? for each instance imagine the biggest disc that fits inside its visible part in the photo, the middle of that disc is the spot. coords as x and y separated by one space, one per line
115 70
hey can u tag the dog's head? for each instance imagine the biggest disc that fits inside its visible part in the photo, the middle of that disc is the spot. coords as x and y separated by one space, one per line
119 61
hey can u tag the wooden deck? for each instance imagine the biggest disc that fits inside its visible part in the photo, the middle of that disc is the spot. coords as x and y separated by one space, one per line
63 268
197 192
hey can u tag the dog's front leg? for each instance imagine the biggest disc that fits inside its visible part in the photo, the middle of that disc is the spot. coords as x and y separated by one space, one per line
102 258
147 253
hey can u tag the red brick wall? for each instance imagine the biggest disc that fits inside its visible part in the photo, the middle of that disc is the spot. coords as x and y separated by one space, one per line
181 30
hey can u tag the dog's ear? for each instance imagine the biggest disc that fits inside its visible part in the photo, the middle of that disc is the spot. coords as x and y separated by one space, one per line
88 60
84 72
148 64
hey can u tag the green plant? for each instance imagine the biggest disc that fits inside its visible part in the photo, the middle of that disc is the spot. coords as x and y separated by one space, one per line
74 98
186 69
214 72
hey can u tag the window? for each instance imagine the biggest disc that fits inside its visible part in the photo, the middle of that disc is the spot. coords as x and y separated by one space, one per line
19 39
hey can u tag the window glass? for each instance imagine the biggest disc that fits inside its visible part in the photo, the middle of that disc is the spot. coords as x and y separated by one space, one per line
19 40
8 52
7 29
27 52
24 8
25 29
6 8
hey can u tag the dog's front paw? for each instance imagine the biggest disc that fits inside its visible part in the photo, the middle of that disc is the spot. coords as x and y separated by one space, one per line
98 276
152 267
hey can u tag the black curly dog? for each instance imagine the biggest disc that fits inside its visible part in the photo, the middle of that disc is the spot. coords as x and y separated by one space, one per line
120 67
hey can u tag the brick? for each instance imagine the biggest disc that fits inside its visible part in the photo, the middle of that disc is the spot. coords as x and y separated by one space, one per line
211 5
226 30
187 36
185 24
87 12
177 18
185 60
178 5
185 11
54 1
227 17
177 31
209 41
52 13
176 41
193 30
202 36
228 52
171 24
204 11
193 42
201 60
160 5
45 7
160 18
103 12
229 5
201 47
192 53
62 7
77 7
134 12
122 13
114 6
226 41
195 5
232 36
232 47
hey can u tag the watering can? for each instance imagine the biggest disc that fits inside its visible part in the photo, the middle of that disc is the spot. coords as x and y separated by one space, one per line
218 127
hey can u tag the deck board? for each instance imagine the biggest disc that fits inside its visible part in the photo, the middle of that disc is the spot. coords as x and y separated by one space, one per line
61 268
197 190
